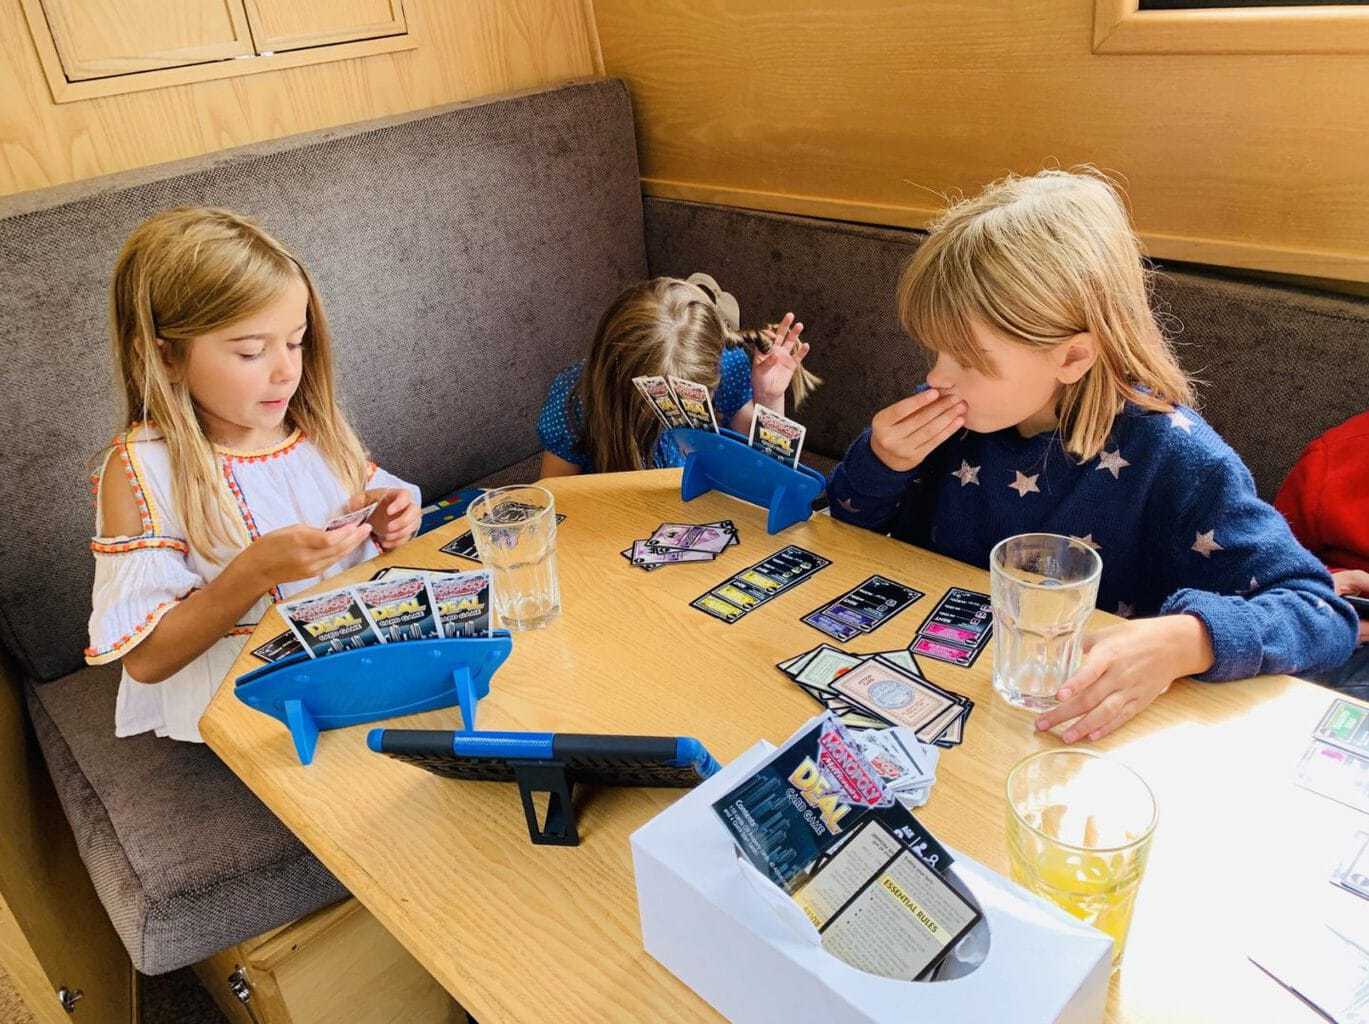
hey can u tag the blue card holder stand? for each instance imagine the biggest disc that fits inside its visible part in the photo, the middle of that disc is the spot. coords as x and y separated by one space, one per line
309 695
725 462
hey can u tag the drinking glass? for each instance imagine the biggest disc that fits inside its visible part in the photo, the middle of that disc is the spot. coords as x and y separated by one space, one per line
515 534
1043 588
1079 832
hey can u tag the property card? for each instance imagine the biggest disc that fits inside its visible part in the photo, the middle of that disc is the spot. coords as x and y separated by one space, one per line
346 519
400 608
1336 773
644 555
462 546
1345 725
872 603
695 402
901 923
758 583
463 601
279 647
326 623
777 436
957 630
662 400
714 537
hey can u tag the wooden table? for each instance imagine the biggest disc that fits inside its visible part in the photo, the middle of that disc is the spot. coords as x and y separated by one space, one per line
527 933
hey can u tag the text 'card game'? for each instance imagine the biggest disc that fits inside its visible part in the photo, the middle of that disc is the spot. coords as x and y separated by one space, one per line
957 630
758 583
862 609
672 543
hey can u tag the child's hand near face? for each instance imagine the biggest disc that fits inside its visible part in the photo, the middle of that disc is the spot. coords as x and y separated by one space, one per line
396 517
1126 667
1356 583
903 434
772 372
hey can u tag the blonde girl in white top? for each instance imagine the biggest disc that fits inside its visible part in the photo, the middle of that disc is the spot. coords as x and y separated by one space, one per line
210 504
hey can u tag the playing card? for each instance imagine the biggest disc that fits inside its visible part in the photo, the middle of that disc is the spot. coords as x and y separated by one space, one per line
330 622
462 546
864 608
662 401
824 622
279 647
463 601
717 607
1336 773
695 402
346 519
1352 873
1345 725
712 537
399 570
887 691
400 608
761 582
957 629
777 436
826 665
643 553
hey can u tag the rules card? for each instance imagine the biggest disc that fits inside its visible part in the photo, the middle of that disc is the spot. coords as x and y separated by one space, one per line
777 436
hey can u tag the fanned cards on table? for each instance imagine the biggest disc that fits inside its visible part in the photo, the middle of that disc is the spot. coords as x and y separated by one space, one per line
672 543
818 820
879 690
399 603
756 584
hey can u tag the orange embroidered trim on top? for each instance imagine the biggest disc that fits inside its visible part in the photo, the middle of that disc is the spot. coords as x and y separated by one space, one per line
296 436
247 519
120 547
147 512
241 631
131 639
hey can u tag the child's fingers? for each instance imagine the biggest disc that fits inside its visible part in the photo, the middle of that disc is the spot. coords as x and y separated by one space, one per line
1114 709
919 430
906 407
1077 695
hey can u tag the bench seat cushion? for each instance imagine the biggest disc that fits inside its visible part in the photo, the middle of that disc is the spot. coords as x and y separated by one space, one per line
185 859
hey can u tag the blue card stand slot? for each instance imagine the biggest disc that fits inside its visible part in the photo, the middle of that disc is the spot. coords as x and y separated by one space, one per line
310 695
725 462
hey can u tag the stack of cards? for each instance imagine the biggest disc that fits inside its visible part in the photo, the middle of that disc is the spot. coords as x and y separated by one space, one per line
756 584
463 545
670 543
1352 873
397 604
777 436
906 765
957 630
817 819
1336 764
862 609
874 691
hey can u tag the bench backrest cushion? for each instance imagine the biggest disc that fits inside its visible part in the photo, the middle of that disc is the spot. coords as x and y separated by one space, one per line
464 255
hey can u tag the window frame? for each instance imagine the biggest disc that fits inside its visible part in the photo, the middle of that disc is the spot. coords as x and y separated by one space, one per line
1119 26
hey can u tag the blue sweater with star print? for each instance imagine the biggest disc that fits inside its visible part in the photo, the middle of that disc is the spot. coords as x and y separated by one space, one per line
1169 506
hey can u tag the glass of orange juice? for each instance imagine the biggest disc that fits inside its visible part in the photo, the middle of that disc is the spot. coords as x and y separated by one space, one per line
1079 832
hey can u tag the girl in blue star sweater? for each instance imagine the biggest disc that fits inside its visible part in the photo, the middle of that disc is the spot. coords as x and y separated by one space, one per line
1056 405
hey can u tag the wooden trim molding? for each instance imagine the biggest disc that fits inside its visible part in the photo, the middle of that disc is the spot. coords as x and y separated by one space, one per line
1120 27
1344 266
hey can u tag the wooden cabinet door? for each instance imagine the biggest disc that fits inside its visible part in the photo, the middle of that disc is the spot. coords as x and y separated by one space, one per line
296 24
103 38
54 932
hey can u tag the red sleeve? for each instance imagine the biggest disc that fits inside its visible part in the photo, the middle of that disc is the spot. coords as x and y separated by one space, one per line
1300 497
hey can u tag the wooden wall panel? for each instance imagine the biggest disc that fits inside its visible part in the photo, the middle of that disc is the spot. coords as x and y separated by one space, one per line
466 48
870 110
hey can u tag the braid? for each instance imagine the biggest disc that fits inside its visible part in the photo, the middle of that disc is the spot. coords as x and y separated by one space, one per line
761 341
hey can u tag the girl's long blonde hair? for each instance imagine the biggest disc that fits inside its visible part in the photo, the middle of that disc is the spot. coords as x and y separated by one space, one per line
1040 260
662 327
184 273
